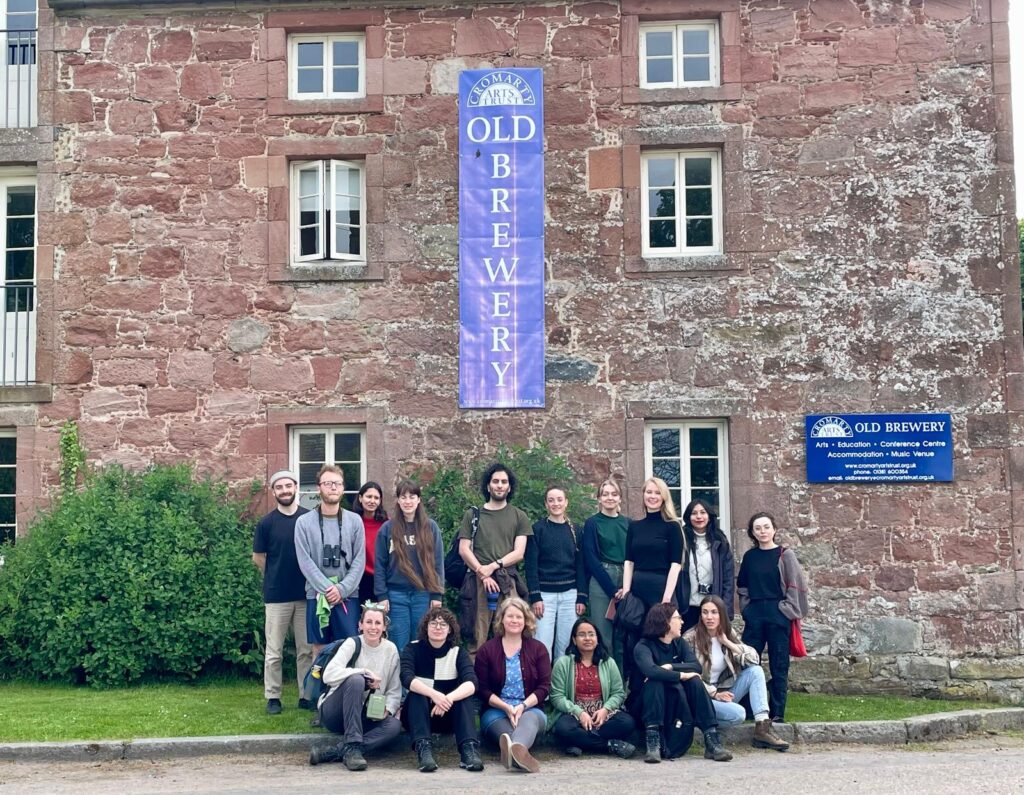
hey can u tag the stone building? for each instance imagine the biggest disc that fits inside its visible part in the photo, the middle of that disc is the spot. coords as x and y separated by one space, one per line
846 244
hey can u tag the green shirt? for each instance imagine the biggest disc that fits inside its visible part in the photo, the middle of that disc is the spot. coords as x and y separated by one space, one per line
497 533
611 537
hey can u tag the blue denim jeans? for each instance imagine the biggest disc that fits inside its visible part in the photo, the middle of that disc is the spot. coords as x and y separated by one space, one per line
750 681
554 628
407 608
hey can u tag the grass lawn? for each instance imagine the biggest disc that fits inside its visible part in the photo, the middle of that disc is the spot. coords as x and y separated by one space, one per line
35 712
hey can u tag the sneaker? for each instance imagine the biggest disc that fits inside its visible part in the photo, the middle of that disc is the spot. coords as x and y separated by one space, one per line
504 742
305 703
273 706
522 759
573 750
352 757
621 749
469 756
425 756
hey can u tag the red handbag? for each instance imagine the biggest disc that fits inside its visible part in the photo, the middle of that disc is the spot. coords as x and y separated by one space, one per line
796 640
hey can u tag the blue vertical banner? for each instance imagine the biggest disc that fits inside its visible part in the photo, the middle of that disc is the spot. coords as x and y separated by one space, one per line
501 238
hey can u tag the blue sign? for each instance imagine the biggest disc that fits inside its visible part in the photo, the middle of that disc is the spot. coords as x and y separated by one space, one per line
501 238
880 448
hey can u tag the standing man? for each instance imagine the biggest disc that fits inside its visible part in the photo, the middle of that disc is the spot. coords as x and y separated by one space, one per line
492 556
284 588
331 548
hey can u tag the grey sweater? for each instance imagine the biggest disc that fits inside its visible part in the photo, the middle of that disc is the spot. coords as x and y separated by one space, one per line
309 552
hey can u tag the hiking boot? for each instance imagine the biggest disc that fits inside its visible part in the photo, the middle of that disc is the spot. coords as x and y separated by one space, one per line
305 703
573 750
324 754
764 737
425 756
352 757
504 742
469 756
653 755
621 749
522 758
274 706
713 748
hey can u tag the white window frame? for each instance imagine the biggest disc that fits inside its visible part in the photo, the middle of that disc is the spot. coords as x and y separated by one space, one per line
308 493
686 489
18 311
328 174
681 249
11 433
327 40
678 56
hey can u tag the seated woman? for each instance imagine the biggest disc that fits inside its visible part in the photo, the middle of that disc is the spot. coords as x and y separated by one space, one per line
587 695
439 676
514 674
731 671
671 697
365 663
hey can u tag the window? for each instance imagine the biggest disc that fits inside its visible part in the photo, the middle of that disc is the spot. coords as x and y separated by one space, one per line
311 448
18 18
678 56
17 279
690 456
8 485
327 67
682 204
328 211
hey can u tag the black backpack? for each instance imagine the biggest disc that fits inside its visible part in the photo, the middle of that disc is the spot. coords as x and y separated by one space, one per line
455 568
313 685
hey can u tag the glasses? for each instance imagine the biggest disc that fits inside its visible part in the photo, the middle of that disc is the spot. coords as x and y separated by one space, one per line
438 625
676 616
332 484
585 635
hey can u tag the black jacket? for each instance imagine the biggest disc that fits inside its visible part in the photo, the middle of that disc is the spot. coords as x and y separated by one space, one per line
723 567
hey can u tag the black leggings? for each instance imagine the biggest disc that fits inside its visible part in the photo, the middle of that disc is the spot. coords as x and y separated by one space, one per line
568 732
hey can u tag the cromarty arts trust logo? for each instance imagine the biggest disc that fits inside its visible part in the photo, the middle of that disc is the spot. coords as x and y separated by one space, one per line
500 88
831 428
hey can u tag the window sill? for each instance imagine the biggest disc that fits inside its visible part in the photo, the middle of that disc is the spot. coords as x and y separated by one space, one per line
29 393
280 106
632 95
328 271
695 265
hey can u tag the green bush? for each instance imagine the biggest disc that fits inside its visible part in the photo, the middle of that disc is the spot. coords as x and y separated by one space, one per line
455 486
137 576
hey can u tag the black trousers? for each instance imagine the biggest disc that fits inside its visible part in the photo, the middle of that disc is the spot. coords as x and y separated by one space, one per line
760 633
568 732
460 719
667 703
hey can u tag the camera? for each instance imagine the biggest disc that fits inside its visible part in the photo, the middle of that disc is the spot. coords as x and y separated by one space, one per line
703 590
332 556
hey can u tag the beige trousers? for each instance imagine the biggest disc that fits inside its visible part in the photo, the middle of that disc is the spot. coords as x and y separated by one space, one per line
279 617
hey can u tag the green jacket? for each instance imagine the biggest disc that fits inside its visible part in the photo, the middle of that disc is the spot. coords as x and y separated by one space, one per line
562 699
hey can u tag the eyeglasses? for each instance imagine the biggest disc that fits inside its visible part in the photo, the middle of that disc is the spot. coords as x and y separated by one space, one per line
585 635
438 625
676 616
332 484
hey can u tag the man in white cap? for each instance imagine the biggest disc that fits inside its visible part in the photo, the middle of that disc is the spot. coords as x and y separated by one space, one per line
284 588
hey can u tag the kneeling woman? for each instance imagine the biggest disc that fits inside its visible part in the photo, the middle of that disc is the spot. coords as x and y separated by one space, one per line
672 698
514 674
367 662
732 670
439 676
587 695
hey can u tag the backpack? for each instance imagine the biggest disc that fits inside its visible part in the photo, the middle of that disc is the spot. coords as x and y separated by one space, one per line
455 568
312 685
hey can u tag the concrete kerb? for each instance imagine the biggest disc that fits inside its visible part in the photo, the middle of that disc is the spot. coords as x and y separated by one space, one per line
924 728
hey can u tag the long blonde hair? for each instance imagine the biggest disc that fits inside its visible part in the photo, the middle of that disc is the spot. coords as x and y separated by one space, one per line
668 507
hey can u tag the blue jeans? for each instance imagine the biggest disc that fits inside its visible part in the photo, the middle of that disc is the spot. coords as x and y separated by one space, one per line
554 628
749 682
407 608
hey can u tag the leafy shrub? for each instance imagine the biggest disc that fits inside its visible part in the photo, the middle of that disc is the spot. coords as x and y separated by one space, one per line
136 576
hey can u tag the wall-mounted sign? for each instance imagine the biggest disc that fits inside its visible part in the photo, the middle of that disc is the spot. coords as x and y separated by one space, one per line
501 239
891 448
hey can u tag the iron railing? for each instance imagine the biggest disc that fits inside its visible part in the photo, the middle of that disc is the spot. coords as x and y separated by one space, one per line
19 83
18 336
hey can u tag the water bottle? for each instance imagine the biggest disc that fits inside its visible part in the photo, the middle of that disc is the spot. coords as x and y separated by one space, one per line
492 601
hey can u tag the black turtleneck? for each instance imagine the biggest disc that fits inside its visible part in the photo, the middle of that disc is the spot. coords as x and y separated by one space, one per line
654 544
443 669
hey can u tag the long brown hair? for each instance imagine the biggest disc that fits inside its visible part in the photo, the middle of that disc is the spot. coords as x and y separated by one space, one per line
701 638
423 538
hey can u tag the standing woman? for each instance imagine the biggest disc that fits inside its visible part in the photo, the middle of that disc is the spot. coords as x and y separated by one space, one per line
773 592
554 574
514 674
369 504
409 576
709 568
604 550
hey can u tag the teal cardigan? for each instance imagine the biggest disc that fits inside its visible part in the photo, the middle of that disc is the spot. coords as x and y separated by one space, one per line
562 699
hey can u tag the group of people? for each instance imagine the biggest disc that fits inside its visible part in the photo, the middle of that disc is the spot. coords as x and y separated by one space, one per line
618 627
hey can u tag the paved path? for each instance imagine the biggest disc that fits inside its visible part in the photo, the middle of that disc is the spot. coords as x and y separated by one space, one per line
988 764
